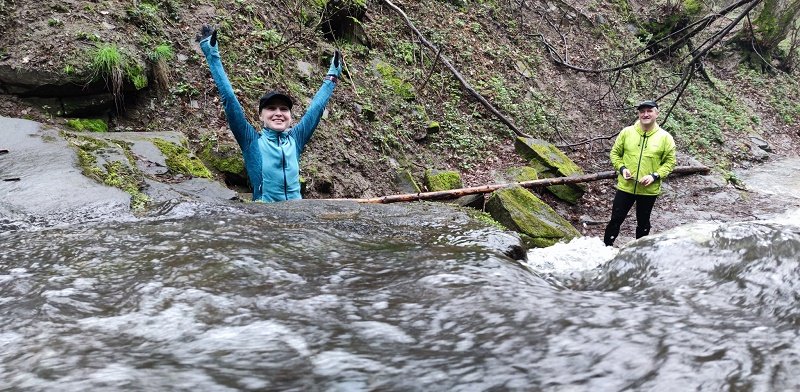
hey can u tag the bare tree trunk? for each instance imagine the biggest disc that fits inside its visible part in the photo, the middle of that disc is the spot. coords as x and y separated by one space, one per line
454 193
773 24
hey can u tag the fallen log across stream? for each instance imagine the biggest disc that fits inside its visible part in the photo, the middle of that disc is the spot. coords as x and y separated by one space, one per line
454 193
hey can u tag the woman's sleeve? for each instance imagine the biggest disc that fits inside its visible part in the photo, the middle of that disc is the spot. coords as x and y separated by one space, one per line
304 129
242 130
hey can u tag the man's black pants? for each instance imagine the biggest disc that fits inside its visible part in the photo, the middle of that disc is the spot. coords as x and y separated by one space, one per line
623 201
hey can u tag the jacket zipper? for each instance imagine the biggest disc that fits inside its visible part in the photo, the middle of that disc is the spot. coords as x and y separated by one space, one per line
283 162
639 165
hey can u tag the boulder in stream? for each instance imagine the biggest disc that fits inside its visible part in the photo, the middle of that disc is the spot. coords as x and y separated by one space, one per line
520 210
550 162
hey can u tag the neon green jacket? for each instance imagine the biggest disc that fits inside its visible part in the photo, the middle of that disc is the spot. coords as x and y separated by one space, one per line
643 153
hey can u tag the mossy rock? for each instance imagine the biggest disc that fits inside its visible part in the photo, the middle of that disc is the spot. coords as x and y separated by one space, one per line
531 242
541 170
405 182
442 180
223 158
566 192
180 160
109 164
485 218
124 176
546 154
475 201
550 162
88 124
569 193
522 174
520 210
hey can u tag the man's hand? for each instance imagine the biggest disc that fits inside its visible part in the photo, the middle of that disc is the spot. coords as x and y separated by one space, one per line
626 174
647 180
205 32
336 64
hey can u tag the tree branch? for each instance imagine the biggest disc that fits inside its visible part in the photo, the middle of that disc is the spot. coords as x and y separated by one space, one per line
694 63
697 27
454 193
454 71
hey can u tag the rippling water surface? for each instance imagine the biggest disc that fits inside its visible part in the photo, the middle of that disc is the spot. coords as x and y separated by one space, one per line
331 296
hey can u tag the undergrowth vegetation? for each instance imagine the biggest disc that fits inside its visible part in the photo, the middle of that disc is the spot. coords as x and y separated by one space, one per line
397 104
109 63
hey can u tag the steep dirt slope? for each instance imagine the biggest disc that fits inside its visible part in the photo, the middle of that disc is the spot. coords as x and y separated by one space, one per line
396 109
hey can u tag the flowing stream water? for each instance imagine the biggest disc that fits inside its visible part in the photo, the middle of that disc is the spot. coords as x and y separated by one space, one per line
323 296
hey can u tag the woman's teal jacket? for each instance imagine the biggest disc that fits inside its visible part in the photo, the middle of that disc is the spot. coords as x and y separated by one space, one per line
271 158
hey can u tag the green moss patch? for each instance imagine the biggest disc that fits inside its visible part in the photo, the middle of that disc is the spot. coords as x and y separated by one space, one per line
485 218
88 124
128 179
522 174
520 210
442 180
180 160
223 158
118 174
399 86
546 154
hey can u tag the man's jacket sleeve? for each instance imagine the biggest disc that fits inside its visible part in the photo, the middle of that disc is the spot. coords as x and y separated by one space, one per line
668 159
304 129
618 150
242 130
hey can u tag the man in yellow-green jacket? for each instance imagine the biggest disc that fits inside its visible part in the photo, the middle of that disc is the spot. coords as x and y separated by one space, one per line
643 155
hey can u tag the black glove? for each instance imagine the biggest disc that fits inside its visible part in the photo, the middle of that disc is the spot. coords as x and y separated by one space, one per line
337 58
205 32
336 64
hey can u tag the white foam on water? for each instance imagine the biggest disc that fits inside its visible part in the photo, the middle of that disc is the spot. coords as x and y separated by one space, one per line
379 333
790 218
580 254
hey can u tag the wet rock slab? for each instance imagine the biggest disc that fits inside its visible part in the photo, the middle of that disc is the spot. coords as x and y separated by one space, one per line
47 185
50 182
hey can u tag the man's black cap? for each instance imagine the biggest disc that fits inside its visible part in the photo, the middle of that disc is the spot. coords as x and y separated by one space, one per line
271 96
647 104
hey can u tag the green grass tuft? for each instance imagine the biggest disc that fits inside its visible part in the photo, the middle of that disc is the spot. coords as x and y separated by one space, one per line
107 64
162 52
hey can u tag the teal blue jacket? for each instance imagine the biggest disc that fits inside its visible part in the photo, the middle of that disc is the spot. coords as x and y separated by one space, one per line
271 158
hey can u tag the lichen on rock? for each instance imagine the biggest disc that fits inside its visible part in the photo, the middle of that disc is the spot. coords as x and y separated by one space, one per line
520 210
550 162
442 180
181 160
